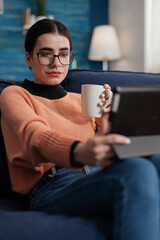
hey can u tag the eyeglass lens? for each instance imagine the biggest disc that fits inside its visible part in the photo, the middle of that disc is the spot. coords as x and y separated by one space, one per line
46 58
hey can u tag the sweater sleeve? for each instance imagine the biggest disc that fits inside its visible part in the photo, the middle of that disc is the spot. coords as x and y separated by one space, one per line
30 132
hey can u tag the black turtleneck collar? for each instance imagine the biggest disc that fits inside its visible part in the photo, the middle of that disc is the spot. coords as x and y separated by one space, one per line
46 91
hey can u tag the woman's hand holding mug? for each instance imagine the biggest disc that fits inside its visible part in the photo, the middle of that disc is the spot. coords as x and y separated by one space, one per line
96 102
95 99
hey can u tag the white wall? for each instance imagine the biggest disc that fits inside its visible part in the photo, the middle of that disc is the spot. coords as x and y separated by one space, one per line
128 18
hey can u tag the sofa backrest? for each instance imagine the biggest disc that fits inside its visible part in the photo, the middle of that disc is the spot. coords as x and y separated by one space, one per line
76 78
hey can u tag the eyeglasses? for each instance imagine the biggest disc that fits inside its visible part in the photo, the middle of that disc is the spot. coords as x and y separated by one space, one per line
47 58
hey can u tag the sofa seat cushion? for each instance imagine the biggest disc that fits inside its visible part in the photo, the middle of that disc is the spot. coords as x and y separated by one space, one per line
29 225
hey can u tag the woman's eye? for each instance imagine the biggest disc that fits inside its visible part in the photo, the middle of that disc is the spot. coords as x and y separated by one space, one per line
65 54
45 54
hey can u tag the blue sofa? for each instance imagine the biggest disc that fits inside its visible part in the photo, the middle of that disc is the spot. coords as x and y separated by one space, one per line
16 220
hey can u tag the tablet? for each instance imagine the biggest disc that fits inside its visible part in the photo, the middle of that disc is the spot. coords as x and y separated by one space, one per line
135 113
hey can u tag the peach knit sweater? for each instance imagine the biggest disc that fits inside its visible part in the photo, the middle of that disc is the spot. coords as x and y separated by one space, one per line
39 133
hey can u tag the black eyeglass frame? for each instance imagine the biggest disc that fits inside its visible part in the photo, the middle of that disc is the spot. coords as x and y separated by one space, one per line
54 56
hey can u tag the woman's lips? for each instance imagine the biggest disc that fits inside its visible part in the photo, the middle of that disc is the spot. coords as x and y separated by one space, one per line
54 73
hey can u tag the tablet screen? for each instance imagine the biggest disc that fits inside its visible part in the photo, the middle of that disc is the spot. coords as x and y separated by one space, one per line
136 110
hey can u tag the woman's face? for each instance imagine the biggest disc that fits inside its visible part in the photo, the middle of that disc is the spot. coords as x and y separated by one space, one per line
56 72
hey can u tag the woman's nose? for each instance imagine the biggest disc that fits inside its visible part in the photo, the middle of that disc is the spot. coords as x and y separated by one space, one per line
56 62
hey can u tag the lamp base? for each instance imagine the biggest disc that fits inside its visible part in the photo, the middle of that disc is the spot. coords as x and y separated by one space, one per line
105 65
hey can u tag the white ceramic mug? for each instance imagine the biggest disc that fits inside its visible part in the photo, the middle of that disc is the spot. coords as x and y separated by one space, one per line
90 97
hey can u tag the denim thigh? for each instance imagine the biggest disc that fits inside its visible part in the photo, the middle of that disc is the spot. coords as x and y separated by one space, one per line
126 193
81 192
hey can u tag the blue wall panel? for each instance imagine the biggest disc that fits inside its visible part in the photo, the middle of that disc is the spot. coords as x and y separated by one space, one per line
77 15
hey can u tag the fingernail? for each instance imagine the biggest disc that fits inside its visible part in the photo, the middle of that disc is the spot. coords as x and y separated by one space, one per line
102 95
106 110
128 141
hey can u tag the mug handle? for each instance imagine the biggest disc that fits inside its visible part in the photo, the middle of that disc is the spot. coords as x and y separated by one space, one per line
109 99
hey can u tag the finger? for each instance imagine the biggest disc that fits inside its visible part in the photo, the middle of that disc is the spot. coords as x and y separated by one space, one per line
99 149
105 154
106 86
106 158
103 99
117 139
112 139
107 110
103 102
104 162
105 95
108 162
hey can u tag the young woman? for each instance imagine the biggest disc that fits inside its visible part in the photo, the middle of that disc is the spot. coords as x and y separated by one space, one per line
51 146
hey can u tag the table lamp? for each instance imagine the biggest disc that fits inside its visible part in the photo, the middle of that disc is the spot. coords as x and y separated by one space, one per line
104 45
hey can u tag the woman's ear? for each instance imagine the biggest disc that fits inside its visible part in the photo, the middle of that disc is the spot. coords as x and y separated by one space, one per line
29 59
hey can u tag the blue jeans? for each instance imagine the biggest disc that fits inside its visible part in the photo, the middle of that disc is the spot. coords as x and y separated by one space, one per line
126 193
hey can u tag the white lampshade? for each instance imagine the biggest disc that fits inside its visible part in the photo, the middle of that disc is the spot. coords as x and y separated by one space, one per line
104 44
